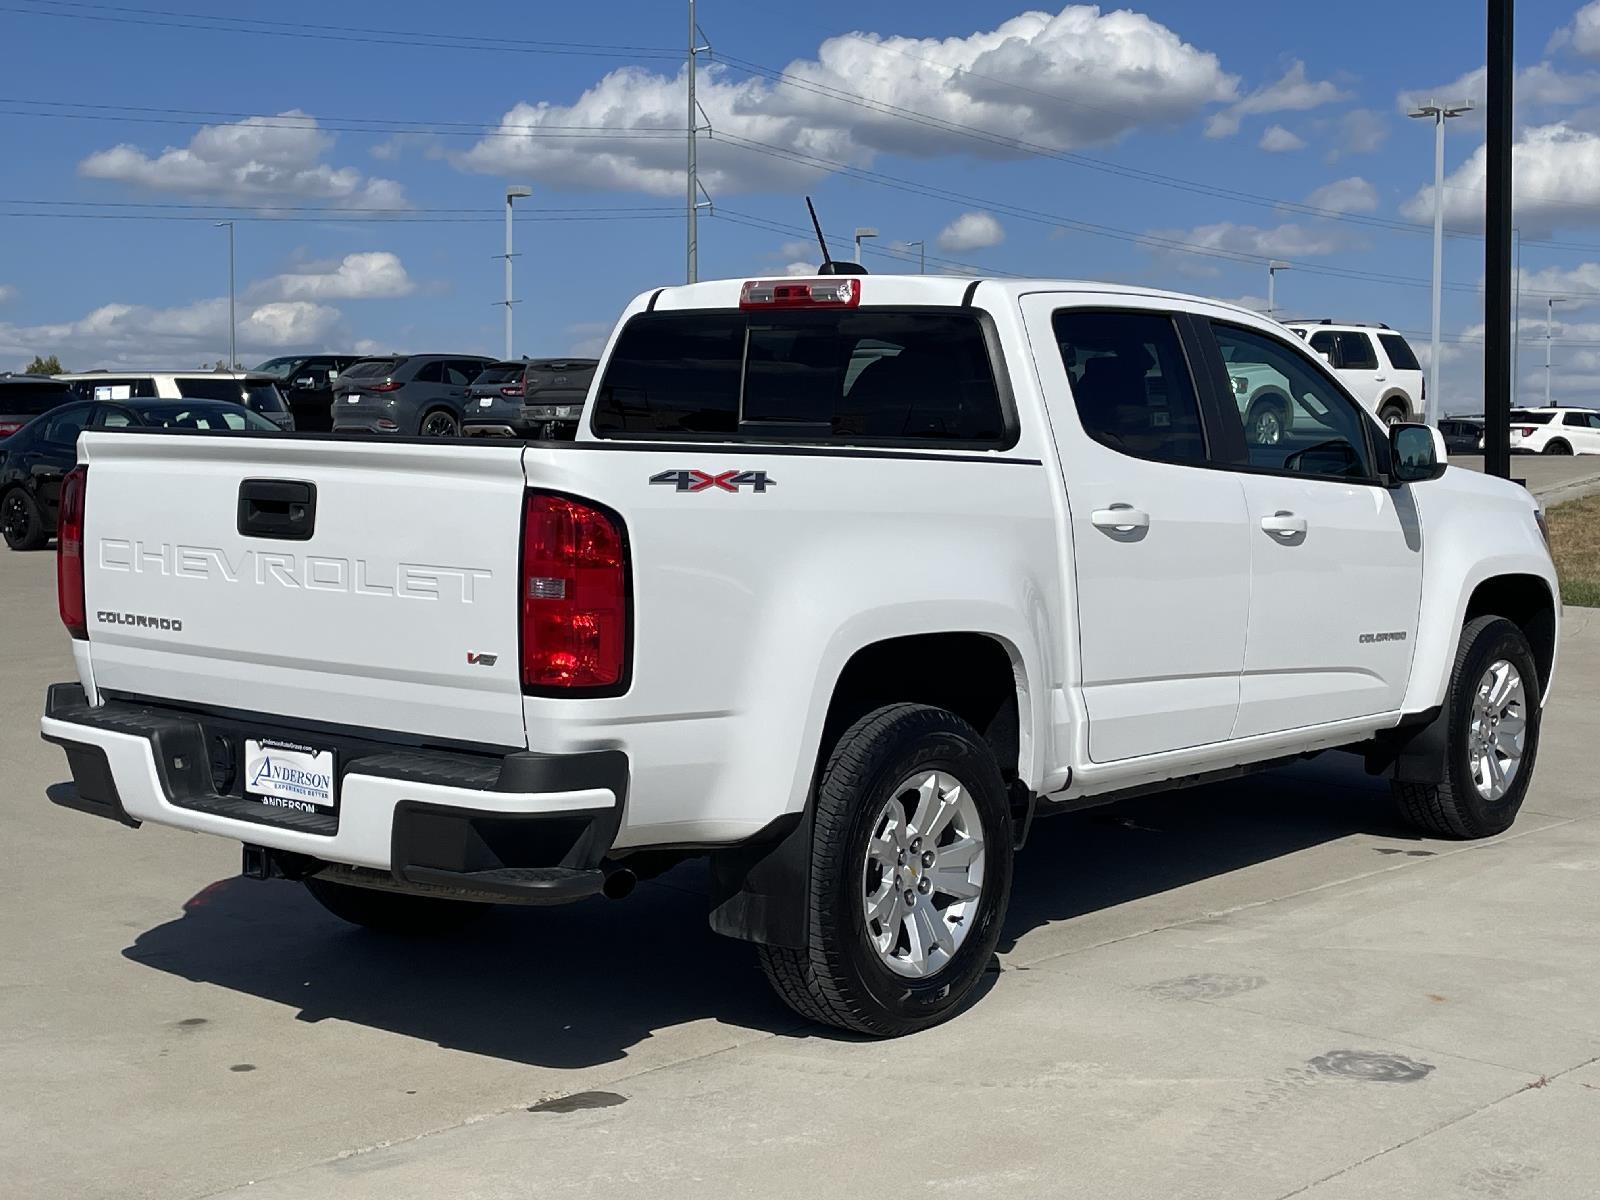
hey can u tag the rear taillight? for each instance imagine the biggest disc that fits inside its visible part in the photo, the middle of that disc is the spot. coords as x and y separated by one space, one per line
390 386
69 553
7 428
574 595
1522 430
511 389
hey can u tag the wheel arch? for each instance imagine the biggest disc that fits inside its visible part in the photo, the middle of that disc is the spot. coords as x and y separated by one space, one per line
1526 601
1390 398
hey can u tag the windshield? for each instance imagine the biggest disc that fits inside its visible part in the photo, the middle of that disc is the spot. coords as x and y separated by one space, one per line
279 368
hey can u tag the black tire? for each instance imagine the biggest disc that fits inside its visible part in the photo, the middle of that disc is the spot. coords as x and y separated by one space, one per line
1393 412
1454 808
395 912
439 422
1557 446
1257 431
838 978
22 522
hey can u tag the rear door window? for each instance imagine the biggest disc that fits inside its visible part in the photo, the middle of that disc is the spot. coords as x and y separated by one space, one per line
1355 352
865 375
1131 383
1401 356
432 372
64 426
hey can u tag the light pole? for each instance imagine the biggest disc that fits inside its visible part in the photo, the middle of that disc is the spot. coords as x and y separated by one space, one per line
1273 267
1549 315
512 194
922 256
862 235
1439 114
233 326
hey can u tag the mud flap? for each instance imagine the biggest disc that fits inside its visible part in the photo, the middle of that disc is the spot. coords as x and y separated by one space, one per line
761 889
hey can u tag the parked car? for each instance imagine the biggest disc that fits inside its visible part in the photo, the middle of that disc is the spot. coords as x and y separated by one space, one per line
529 398
255 391
1462 435
423 395
24 397
306 381
1555 431
1376 365
844 581
35 459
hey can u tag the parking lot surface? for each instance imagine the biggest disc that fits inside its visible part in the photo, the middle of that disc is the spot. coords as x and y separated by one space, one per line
1551 477
1260 989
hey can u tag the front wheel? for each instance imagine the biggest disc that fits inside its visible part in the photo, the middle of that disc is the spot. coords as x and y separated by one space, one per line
21 521
1491 741
394 912
910 875
441 424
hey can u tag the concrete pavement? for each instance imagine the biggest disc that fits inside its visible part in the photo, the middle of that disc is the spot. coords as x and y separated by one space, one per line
1552 478
1260 989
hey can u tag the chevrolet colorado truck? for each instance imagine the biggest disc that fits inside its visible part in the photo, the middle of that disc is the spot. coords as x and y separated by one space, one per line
843 581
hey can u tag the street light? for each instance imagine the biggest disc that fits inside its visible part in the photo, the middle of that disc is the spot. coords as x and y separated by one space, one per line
233 326
1549 314
861 235
1439 113
512 193
1273 267
922 256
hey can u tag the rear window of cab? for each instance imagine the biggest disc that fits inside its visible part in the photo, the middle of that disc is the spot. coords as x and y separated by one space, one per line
899 376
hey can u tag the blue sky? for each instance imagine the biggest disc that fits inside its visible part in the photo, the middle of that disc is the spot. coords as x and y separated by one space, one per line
1158 144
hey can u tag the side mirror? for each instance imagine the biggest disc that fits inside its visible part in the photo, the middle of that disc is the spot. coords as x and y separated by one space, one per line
1417 452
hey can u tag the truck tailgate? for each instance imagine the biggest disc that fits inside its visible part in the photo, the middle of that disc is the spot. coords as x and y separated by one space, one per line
391 606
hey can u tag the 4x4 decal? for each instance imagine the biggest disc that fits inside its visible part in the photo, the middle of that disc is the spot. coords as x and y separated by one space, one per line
727 481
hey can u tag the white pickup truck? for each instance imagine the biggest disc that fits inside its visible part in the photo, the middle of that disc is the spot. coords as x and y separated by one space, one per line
843 580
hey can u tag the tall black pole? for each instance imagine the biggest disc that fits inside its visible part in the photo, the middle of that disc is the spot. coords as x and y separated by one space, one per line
1497 248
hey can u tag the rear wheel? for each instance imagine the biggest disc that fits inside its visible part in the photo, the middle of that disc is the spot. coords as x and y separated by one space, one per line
21 521
1492 738
910 875
1267 422
1393 413
441 423
394 912
1557 446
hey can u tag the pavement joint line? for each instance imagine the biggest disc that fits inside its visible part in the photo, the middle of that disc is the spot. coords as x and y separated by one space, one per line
1211 914
1427 1133
799 1026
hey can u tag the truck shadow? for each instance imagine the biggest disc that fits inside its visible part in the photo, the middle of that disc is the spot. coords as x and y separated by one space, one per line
578 985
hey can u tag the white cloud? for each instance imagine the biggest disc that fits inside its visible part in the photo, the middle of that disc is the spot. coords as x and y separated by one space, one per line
7 293
1278 140
1352 195
1280 241
1584 31
971 231
1556 179
1578 286
1293 93
259 158
373 275
1091 78
799 267
1542 85
587 338
1359 131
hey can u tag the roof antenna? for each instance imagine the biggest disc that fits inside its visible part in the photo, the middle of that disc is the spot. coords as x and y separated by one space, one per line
830 266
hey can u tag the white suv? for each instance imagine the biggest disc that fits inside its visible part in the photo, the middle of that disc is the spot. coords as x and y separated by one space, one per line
253 389
1374 362
1555 431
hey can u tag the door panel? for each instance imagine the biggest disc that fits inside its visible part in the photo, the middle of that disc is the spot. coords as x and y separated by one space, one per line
1159 542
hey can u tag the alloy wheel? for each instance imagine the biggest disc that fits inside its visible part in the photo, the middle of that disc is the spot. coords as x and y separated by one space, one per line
1497 737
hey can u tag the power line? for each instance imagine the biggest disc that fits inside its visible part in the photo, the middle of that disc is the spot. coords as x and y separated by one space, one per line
426 39
337 216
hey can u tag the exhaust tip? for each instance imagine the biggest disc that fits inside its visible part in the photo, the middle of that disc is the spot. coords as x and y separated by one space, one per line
619 883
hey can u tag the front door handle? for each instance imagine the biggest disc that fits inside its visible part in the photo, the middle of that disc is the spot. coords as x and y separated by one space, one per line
1120 517
1284 523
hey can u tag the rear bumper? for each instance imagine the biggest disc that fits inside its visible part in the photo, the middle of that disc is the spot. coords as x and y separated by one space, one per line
522 826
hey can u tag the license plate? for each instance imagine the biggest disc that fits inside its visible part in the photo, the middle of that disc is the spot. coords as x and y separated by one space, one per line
290 775
355 399
485 401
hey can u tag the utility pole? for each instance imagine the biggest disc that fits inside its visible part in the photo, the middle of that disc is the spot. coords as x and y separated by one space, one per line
861 235
233 325
1549 315
694 190
1439 114
1273 267
1497 242
512 193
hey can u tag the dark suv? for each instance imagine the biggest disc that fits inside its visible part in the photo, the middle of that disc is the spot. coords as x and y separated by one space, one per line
422 395
529 398
24 397
306 381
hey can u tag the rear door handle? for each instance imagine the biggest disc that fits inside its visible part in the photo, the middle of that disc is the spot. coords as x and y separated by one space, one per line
1121 517
1284 524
